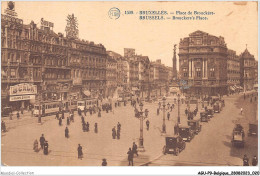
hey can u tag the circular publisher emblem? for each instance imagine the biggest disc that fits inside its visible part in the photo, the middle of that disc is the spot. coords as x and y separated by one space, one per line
114 13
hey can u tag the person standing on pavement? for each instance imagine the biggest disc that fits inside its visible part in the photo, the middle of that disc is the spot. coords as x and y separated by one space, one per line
168 116
68 121
147 124
46 148
118 126
158 111
254 161
104 162
85 110
42 140
60 121
80 153
130 157
245 161
18 115
96 128
118 134
35 145
66 132
134 149
3 127
114 132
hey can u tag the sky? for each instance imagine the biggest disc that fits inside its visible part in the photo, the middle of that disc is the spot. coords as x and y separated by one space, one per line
236 22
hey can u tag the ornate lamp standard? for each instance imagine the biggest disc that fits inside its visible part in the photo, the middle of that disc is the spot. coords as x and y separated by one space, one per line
164 126
141 117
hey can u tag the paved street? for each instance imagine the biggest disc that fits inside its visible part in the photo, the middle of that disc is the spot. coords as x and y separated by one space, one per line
211 147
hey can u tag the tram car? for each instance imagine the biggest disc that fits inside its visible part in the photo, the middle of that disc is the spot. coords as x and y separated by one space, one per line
53 107
88 103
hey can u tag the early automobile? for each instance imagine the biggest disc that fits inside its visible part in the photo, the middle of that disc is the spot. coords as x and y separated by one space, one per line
210 112
216 107
253 129
238 139
186 133
195 125
174 145
6 111
204 116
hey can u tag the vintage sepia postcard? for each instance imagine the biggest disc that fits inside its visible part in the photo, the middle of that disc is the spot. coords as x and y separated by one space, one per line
111 83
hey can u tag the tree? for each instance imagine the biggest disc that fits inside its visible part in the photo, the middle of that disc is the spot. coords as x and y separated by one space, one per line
72 27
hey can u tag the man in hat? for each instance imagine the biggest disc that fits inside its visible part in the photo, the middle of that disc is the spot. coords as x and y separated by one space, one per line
87 127
80 153
130 157
42 140
66 132
104 162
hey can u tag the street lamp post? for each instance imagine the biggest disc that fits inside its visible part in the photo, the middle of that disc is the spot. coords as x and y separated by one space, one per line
141 117
179 119
164 126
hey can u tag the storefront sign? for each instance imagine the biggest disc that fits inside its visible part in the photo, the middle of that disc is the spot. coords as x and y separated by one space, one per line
22 97
23 89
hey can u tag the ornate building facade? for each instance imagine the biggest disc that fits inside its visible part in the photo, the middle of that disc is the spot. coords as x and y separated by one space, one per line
233 71
247 70
203 63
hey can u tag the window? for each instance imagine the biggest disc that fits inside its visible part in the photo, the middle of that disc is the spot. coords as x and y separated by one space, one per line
198 72
212 72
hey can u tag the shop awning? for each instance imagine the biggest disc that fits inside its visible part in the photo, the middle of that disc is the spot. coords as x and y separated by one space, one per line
87 92
135 88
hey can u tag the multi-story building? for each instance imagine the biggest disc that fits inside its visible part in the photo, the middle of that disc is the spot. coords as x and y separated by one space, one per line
59 67
247 70
111 76
203 63
233 71
160 77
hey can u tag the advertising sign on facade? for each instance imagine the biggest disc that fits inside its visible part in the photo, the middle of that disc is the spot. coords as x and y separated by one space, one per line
23 89
22 97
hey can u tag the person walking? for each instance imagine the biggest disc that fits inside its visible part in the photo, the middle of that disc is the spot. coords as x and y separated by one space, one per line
57 116
118 126
147 124
96 128
104 162
254 161
114 132
42 140
134 149
80 153
245 161
130 157
158 111
66 132
68 121
118 134
241 111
